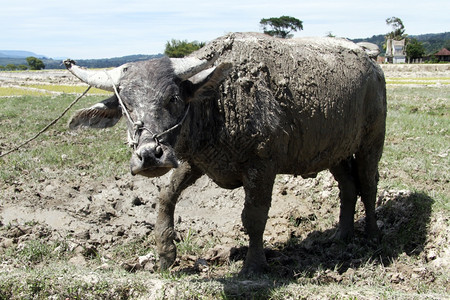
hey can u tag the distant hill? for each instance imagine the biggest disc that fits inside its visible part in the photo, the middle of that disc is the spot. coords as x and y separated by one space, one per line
89 63
115 61
432 42
15 53
18 54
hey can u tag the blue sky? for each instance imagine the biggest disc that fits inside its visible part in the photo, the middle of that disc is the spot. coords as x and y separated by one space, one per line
111 28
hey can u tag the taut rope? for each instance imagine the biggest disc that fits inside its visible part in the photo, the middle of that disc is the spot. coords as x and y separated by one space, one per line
46 127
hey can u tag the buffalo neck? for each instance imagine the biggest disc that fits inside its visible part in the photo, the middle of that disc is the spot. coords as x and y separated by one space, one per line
201 129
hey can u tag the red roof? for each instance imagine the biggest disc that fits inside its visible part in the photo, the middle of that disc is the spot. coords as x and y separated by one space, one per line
443 52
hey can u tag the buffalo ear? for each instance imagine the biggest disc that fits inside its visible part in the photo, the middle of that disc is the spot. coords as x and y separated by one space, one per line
101 115
204 85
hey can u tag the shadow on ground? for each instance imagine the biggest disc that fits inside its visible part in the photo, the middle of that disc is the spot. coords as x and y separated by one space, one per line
403 219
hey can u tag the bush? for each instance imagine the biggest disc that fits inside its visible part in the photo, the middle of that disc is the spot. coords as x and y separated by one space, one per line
176 48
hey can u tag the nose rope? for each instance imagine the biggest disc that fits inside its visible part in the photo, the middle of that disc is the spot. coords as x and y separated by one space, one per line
124 108
139 125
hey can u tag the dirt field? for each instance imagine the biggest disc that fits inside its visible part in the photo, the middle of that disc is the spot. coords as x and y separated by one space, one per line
96 217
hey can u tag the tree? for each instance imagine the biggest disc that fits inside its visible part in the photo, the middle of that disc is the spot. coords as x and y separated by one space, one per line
281 27
178 48
398 29
11 67
415 49
35 63
447 44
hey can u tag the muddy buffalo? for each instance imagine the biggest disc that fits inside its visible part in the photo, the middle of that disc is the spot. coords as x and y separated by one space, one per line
243 109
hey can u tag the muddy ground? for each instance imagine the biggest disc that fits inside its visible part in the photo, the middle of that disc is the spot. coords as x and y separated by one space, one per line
99 215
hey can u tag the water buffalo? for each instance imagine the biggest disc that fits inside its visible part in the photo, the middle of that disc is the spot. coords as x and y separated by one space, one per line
243 109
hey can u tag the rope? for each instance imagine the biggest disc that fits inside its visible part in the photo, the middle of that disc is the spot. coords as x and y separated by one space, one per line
139 125
46 127
124 108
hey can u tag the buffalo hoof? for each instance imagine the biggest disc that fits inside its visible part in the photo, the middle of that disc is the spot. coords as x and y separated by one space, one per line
342 235
166 261
254 269
374 235
372 230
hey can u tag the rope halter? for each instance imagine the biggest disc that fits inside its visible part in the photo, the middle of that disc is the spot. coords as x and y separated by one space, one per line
138 126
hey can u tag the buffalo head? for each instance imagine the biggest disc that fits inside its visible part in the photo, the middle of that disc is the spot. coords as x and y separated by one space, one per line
155 96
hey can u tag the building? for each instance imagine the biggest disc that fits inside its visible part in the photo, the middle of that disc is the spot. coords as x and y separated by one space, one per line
395 51
443 55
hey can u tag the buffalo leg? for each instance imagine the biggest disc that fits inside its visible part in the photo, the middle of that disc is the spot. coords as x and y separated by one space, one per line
367 165
182 177
258 193
344 173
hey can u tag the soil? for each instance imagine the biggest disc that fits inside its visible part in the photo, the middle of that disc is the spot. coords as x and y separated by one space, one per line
38 77
122 209
416 70
102 214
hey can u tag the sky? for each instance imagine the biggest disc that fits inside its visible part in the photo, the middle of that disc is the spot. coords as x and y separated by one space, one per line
85 29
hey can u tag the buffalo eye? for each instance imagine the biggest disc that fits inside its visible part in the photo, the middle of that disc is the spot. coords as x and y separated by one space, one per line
173 104
172 99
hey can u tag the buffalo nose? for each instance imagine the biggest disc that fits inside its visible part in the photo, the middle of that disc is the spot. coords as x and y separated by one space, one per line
158 152
149 152
146 156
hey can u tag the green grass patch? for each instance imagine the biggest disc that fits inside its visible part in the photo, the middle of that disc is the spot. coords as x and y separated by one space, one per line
16 91
45 90
34 251
416 154
58 281
69 89
99 153
132 249
188 244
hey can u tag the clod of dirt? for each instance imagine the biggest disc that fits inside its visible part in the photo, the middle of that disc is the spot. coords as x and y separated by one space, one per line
78 260
147 262
131 266
201 265
397 278
220 254
137 201
6 243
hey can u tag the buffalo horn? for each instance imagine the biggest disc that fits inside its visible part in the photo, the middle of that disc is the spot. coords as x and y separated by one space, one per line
100 79
189 66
